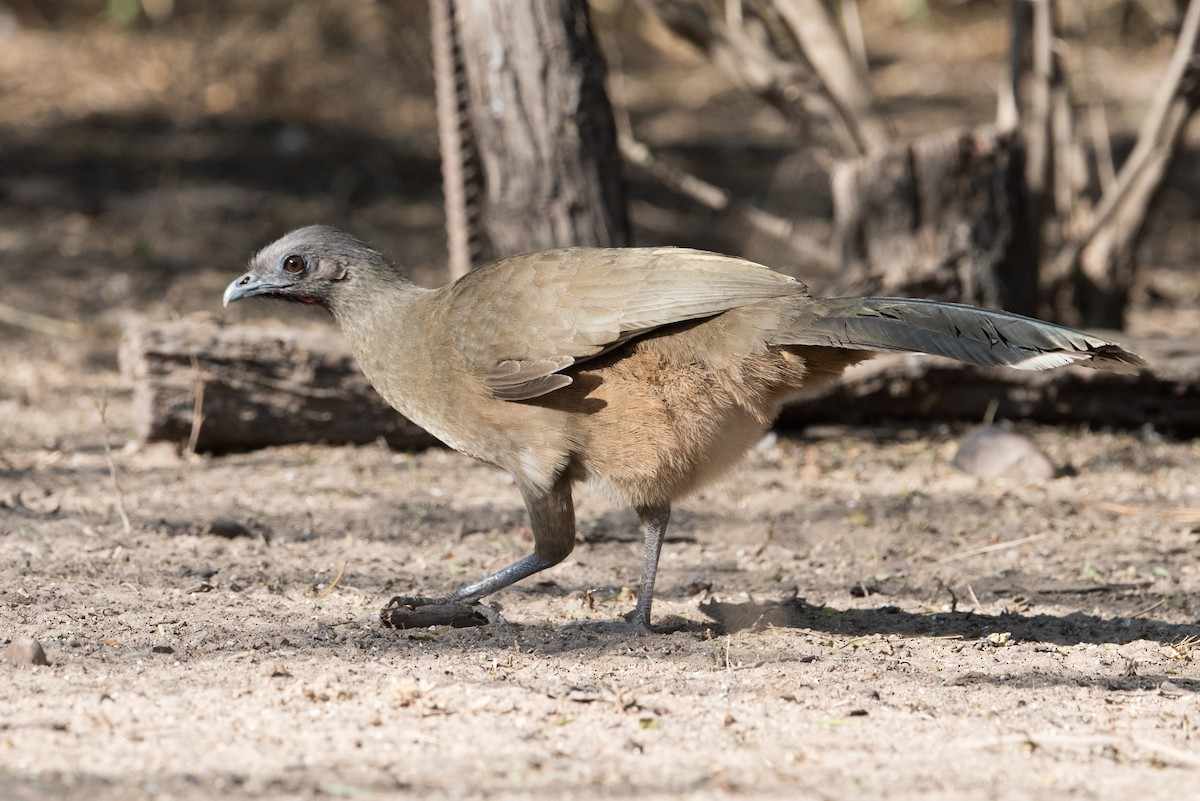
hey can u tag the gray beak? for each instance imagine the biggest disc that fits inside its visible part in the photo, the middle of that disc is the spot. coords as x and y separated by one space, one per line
247 286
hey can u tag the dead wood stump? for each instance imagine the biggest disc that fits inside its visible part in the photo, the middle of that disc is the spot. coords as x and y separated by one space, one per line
938 217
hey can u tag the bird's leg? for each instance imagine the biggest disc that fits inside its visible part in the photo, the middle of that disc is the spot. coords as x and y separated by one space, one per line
552 517
654 529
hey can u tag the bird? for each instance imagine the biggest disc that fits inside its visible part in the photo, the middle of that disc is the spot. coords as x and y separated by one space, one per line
642 372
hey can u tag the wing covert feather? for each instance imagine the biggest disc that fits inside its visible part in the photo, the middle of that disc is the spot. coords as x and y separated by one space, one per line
522 319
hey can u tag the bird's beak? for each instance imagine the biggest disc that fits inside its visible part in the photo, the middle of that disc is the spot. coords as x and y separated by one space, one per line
248 286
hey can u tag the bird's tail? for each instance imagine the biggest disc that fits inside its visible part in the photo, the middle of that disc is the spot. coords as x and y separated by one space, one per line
966 333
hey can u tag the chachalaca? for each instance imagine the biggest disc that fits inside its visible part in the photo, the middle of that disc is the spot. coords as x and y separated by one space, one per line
643 372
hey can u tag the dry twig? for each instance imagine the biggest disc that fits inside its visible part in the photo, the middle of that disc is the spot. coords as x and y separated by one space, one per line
997 546
102 407
197 405
1162 752
325 593
20 318
1184 514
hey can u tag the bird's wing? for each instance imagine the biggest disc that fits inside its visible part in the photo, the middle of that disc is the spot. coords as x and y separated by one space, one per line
520 321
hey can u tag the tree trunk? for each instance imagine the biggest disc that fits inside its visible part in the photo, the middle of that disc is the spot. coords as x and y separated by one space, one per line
543 126
456 142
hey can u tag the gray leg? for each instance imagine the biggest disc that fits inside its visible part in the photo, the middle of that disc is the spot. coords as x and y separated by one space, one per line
552 517
522 568
654 528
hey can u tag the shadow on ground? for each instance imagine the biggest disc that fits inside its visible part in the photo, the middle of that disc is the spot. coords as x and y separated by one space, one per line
1070 629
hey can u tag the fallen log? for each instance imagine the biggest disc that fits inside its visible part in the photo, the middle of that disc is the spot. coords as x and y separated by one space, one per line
234 388
902 386
230 388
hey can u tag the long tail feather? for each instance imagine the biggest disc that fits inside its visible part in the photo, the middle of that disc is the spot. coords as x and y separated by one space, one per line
966 333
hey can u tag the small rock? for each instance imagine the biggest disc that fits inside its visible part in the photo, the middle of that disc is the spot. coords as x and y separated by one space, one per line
999 638
41 502
26 651
991 452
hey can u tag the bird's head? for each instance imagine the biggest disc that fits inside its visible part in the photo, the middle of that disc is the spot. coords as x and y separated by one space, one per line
316 265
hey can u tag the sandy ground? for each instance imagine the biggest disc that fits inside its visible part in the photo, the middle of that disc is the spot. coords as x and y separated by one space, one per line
854 617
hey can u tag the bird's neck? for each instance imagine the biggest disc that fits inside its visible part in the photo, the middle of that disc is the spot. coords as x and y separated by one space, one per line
377 315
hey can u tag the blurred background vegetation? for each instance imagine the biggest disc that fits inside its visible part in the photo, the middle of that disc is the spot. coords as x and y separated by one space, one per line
147 147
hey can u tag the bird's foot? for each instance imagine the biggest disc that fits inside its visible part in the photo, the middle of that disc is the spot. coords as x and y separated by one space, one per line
418 612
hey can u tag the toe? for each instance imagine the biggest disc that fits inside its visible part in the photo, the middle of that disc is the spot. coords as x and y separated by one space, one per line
415 612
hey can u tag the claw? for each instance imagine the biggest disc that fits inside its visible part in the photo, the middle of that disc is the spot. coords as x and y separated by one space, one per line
413 601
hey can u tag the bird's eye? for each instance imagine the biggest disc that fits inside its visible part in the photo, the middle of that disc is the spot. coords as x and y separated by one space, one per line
294 264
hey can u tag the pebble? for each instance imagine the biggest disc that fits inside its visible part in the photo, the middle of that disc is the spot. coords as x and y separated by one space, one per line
992 452
26 651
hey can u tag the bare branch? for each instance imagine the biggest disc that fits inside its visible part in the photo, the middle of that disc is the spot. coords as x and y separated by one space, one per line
717 199
19 318
1160 129
771 65
852 25
824 48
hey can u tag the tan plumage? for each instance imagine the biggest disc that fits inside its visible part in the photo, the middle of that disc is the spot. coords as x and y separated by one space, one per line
642 371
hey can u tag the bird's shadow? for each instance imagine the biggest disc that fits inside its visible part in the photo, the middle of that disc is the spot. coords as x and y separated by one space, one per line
1071 629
